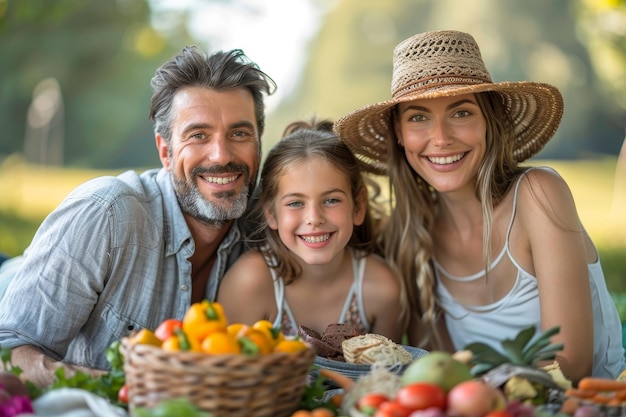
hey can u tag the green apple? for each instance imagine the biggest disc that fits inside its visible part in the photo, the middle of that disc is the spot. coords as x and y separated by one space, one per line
439 368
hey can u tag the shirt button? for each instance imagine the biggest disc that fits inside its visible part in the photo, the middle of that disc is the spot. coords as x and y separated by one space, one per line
184 287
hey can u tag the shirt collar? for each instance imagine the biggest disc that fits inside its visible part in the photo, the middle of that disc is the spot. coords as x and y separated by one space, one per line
175 228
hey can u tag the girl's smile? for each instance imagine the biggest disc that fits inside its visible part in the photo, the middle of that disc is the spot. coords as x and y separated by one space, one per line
316 239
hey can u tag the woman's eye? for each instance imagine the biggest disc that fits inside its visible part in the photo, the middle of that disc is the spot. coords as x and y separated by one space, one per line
417 118
462 113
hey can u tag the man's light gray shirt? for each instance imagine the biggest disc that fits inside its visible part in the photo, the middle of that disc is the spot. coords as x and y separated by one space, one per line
112 258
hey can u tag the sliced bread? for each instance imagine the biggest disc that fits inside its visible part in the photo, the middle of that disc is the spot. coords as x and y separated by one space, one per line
355 346
386 354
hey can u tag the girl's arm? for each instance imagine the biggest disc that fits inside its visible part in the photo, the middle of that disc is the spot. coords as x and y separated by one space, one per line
381 296
556 245
247 290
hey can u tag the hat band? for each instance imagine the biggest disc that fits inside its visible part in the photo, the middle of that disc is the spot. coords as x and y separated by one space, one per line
437 81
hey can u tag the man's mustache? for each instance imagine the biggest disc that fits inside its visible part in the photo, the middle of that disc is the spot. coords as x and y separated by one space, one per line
221 169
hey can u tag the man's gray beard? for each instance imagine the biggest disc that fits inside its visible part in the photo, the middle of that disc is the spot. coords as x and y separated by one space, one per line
192 202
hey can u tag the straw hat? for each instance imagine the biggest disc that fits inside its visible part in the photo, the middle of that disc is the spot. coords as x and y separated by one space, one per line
442 64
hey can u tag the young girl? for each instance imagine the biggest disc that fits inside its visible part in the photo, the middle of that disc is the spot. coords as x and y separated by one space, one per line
313 266
486 247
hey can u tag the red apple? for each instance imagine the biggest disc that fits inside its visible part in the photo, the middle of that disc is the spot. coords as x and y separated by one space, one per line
474 398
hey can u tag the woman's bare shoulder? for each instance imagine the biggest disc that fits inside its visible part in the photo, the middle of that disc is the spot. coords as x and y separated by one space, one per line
543 180
545 201
544 188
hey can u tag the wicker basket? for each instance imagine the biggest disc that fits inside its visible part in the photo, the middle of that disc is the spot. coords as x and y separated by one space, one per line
224 385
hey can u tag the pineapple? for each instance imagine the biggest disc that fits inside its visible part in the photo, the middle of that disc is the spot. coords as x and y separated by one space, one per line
515 369
517 352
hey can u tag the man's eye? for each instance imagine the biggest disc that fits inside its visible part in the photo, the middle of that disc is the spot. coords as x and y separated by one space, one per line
241 134
198 136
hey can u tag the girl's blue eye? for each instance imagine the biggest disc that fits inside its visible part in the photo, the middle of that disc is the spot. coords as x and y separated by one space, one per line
294 204
332 200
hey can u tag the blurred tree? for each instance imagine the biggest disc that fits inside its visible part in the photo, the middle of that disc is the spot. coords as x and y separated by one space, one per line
602 24
102 54
350 63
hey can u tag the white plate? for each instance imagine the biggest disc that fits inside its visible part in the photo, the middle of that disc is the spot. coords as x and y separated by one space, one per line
356 371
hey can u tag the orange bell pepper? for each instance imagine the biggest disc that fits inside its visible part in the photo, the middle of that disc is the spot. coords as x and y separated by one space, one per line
179 341
254 341
204 318
144 337
290 345
218 343
272 333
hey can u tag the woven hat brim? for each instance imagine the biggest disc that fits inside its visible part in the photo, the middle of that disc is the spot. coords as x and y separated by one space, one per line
535 109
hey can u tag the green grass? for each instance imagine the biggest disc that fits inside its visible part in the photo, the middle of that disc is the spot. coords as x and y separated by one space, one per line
28 194
16 232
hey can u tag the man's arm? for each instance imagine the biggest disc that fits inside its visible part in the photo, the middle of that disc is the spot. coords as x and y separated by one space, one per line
39 368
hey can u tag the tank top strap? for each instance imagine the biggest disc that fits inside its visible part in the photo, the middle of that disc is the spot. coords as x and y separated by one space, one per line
279 296
353 309
284 317
514 209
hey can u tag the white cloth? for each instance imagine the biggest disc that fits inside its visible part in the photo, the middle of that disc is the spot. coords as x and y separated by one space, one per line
74 402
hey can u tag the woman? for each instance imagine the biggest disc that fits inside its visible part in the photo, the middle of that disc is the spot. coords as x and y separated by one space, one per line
486 247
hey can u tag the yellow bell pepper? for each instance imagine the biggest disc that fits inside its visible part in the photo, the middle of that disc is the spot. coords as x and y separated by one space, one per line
204 318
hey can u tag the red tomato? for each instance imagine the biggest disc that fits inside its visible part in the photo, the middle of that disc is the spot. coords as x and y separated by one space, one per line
421 395
369 403
392 409
166 329
122 394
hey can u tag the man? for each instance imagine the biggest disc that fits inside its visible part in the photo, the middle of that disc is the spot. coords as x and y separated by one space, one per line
123 253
